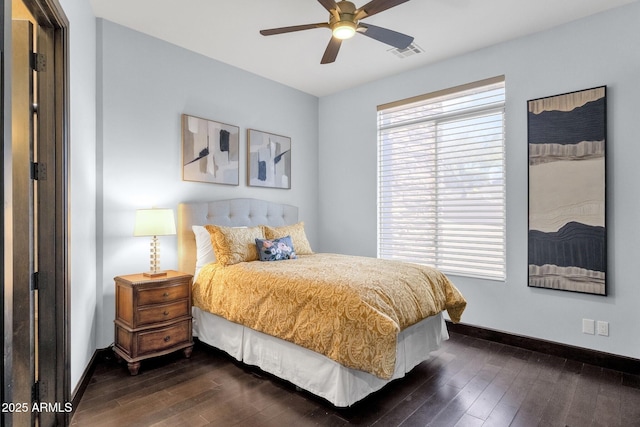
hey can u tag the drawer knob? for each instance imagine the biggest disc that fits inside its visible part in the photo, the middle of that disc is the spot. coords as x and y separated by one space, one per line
166 313
166 294
167 338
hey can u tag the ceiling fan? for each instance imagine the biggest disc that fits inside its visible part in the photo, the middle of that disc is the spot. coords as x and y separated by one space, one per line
344 22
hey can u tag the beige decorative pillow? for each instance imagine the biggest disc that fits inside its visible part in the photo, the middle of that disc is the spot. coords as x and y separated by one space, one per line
233 245
298 236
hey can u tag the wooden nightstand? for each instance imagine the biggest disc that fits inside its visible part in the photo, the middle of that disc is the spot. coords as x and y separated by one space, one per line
153 316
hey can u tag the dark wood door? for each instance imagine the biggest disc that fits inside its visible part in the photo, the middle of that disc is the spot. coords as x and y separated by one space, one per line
22 125
39 361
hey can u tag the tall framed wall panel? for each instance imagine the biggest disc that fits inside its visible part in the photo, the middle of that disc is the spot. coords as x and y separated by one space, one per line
567 241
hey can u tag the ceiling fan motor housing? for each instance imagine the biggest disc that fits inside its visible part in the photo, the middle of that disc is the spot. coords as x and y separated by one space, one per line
342 20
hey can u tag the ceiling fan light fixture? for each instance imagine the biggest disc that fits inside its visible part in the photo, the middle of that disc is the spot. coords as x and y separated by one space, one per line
344 23
344 30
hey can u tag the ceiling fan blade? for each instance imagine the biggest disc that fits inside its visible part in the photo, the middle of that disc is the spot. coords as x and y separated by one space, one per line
281 30
329 4
331 53
384 35
376 6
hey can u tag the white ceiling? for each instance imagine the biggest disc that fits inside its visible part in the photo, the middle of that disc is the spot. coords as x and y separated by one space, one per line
228 31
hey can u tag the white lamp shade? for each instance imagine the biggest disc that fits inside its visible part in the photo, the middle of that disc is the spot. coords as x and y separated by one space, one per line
154 222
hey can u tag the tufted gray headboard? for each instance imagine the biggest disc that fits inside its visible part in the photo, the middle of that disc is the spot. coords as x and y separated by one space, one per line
230 213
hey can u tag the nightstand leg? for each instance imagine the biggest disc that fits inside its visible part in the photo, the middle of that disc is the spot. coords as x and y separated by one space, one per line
187 352
134 367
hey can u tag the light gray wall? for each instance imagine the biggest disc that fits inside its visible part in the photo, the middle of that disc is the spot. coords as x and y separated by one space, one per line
599 50
144 85
82 185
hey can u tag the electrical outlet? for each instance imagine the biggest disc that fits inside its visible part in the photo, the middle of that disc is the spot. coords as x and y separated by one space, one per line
588 326
603 328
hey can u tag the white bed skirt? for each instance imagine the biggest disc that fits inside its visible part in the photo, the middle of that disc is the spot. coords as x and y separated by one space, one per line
312 371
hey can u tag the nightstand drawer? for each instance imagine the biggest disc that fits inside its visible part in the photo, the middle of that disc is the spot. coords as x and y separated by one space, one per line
163 294
160 339
162 313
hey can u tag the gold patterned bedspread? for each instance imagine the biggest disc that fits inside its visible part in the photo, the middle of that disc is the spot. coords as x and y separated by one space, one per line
348 308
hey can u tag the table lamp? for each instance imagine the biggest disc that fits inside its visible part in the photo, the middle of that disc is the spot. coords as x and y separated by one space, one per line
154 222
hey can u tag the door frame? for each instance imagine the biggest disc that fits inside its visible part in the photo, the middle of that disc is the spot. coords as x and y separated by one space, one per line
49 14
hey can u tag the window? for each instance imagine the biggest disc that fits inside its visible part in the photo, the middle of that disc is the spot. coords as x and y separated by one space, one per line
441 180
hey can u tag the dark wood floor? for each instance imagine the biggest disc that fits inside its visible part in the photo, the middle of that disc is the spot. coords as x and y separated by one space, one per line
468 382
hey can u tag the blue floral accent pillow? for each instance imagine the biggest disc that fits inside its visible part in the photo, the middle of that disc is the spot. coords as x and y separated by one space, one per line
275 249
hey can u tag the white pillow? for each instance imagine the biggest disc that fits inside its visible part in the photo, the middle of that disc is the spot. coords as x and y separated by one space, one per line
204 249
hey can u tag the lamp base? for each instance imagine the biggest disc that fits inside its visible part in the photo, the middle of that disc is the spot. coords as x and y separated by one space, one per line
154 273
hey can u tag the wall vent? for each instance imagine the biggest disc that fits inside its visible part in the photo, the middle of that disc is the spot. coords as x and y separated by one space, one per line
410 50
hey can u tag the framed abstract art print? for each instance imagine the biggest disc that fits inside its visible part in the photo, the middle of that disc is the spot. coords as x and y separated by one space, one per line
269 160
567 247
210 151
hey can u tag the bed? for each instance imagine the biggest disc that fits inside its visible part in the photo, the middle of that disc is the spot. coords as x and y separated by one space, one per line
340 382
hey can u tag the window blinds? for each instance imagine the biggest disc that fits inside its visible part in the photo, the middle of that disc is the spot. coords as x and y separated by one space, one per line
441 180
